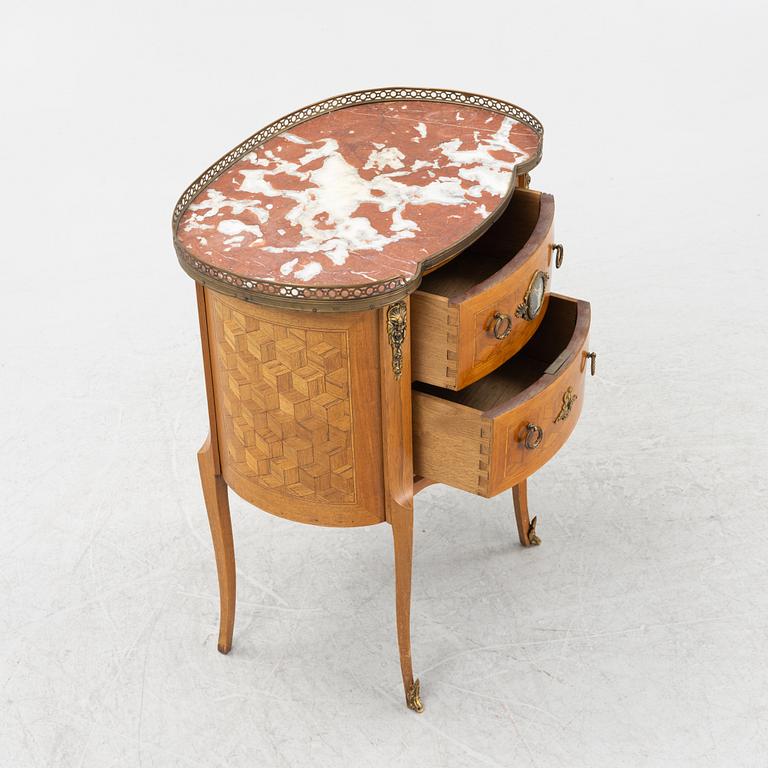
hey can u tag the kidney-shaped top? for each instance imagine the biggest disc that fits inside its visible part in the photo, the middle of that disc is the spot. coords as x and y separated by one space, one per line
344 204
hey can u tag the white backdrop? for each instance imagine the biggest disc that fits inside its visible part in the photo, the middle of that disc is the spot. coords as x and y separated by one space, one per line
634 636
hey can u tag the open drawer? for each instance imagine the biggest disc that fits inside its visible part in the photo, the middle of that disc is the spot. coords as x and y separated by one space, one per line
499 430
479 309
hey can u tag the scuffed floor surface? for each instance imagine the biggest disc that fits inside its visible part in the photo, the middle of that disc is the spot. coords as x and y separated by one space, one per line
634 636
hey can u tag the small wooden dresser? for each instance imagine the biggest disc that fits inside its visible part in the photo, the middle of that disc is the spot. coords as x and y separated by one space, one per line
373 279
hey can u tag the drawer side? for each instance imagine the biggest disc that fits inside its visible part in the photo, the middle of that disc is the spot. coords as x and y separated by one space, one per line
451 443
434 340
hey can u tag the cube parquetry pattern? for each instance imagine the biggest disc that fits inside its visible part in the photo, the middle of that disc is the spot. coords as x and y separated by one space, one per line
284 402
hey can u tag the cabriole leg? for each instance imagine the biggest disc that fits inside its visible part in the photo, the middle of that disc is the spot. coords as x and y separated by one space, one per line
402 533
395 359
217 505
526 528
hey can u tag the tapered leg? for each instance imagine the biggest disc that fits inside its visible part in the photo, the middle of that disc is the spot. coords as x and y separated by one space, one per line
526 528
402 533
217 504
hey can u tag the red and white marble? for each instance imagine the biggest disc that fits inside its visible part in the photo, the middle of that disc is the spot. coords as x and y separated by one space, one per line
359 195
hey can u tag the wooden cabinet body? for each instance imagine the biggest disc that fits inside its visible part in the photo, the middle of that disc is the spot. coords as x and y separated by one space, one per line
444 357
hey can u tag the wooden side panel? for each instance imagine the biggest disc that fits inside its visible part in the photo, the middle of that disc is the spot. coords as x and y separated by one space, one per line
449 443
479 351
202 316
297 410
433 339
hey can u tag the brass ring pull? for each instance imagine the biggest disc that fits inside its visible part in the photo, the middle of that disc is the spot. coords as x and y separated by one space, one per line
533 429
501 321
592 357
557 249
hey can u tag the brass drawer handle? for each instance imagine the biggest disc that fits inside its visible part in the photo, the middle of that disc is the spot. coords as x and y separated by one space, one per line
501 321
592 356
533 429
557 249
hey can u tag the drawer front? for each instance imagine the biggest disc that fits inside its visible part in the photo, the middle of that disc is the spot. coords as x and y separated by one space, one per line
501 311
517 449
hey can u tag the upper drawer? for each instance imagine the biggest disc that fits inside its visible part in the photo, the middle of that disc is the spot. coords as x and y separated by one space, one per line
499 430
474 313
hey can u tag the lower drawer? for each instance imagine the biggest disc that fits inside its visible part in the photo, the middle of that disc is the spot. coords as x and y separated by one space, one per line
499 430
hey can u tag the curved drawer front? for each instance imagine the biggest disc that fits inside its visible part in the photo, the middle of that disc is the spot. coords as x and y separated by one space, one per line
473 314
503 428
503 306
531 428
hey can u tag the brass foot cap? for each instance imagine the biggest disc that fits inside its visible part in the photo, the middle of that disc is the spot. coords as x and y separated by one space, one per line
412 698
533 539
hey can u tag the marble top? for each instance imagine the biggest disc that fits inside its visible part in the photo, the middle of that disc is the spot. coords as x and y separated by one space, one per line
354 202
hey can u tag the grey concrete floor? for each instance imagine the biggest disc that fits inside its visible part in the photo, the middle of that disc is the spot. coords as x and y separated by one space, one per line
634 636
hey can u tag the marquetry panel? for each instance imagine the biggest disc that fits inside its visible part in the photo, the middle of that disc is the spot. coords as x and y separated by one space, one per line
296 401
285 406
